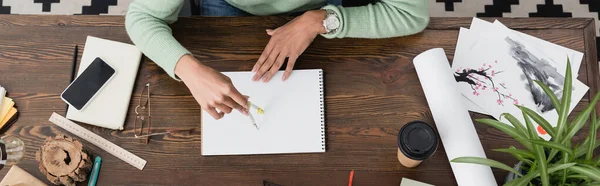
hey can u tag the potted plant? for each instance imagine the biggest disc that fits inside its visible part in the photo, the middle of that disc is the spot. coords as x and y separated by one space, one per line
556 162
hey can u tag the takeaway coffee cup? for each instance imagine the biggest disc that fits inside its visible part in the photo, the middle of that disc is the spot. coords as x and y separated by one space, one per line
417 141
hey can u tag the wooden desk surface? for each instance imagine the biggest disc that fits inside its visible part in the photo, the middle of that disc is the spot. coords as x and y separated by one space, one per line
371 90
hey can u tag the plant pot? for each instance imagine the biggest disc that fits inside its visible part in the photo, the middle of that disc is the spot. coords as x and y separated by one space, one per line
511 176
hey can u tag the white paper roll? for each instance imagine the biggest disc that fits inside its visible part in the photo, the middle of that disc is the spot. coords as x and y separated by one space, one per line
451 118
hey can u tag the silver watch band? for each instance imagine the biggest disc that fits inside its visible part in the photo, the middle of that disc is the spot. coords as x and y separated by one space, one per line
330 12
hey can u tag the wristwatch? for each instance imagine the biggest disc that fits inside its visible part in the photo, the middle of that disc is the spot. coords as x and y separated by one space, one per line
331 22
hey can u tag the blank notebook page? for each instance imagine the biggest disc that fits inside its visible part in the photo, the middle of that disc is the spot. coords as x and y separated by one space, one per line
293 121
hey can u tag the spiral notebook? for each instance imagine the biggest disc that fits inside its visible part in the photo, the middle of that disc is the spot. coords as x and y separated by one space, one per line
293 119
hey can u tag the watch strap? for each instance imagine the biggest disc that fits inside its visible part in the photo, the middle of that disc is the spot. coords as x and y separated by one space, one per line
329 13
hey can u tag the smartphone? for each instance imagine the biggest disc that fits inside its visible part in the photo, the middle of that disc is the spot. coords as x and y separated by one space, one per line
87 85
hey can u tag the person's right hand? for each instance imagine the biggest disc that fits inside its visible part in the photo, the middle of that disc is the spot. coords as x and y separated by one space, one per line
211 89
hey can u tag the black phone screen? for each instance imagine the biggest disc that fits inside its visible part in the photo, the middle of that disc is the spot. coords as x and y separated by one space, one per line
86 85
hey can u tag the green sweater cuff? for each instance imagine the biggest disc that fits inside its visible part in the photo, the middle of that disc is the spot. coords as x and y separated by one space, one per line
384 19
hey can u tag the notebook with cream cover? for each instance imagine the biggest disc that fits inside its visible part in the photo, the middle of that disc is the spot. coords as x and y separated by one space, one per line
19 177
108 108
293 119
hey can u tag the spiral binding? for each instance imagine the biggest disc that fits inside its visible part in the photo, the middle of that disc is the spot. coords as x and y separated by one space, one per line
322 109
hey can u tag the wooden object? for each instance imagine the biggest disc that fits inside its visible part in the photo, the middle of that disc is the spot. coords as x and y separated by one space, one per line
63 160
371 91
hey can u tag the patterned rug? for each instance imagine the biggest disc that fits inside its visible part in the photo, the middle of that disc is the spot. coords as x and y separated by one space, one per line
438 8
518 8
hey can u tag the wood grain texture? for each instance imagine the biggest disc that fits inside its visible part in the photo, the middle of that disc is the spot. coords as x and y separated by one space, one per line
590 54
371 91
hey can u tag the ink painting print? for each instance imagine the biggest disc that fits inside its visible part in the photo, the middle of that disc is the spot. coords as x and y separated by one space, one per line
496 71
535 68
481 80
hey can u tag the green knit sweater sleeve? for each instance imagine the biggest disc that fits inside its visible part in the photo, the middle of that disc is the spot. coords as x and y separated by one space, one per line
147 22
384 19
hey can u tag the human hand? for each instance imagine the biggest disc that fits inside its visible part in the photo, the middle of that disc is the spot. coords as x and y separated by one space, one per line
211 89
289 40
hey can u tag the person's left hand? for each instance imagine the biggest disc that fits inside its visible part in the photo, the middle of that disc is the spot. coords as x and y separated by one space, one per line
289 40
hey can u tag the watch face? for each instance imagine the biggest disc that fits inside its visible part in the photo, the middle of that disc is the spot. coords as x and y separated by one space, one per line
332 22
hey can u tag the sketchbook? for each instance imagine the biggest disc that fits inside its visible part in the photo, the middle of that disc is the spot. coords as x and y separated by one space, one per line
293 119
109 108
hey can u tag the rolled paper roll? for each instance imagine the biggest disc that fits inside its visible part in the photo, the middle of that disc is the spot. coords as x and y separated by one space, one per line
451 117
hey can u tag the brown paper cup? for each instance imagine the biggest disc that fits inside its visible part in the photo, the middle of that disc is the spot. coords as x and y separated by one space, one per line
407 162
417 141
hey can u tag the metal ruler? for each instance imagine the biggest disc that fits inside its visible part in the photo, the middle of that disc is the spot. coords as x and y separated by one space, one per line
93 138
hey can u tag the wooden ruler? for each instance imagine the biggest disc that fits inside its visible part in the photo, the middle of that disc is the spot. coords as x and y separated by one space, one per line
93 138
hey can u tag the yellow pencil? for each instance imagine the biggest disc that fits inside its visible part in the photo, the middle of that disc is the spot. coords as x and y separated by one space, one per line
258 109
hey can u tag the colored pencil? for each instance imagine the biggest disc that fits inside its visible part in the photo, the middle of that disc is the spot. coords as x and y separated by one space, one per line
351 178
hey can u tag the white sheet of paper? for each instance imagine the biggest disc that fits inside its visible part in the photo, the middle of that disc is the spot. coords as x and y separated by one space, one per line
292 122
452 119
553 51
409 182
2 94
492 53
472 106
557 53
465 40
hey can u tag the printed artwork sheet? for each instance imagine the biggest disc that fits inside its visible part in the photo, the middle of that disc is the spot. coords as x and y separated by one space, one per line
495 70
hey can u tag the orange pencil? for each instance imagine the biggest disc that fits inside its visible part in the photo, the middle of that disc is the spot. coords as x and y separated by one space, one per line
351 178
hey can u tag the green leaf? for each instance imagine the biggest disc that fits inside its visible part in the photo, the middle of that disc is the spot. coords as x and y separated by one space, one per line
515 122
590 151
511 131
538 151
581 119
553 145
527 161
553 153
579 176
593 168
550 94
564 113
560 167
485 161
583 149
523 153
524 179
586 171
534 165
534 174
561 124
591 184
564 172
539 120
